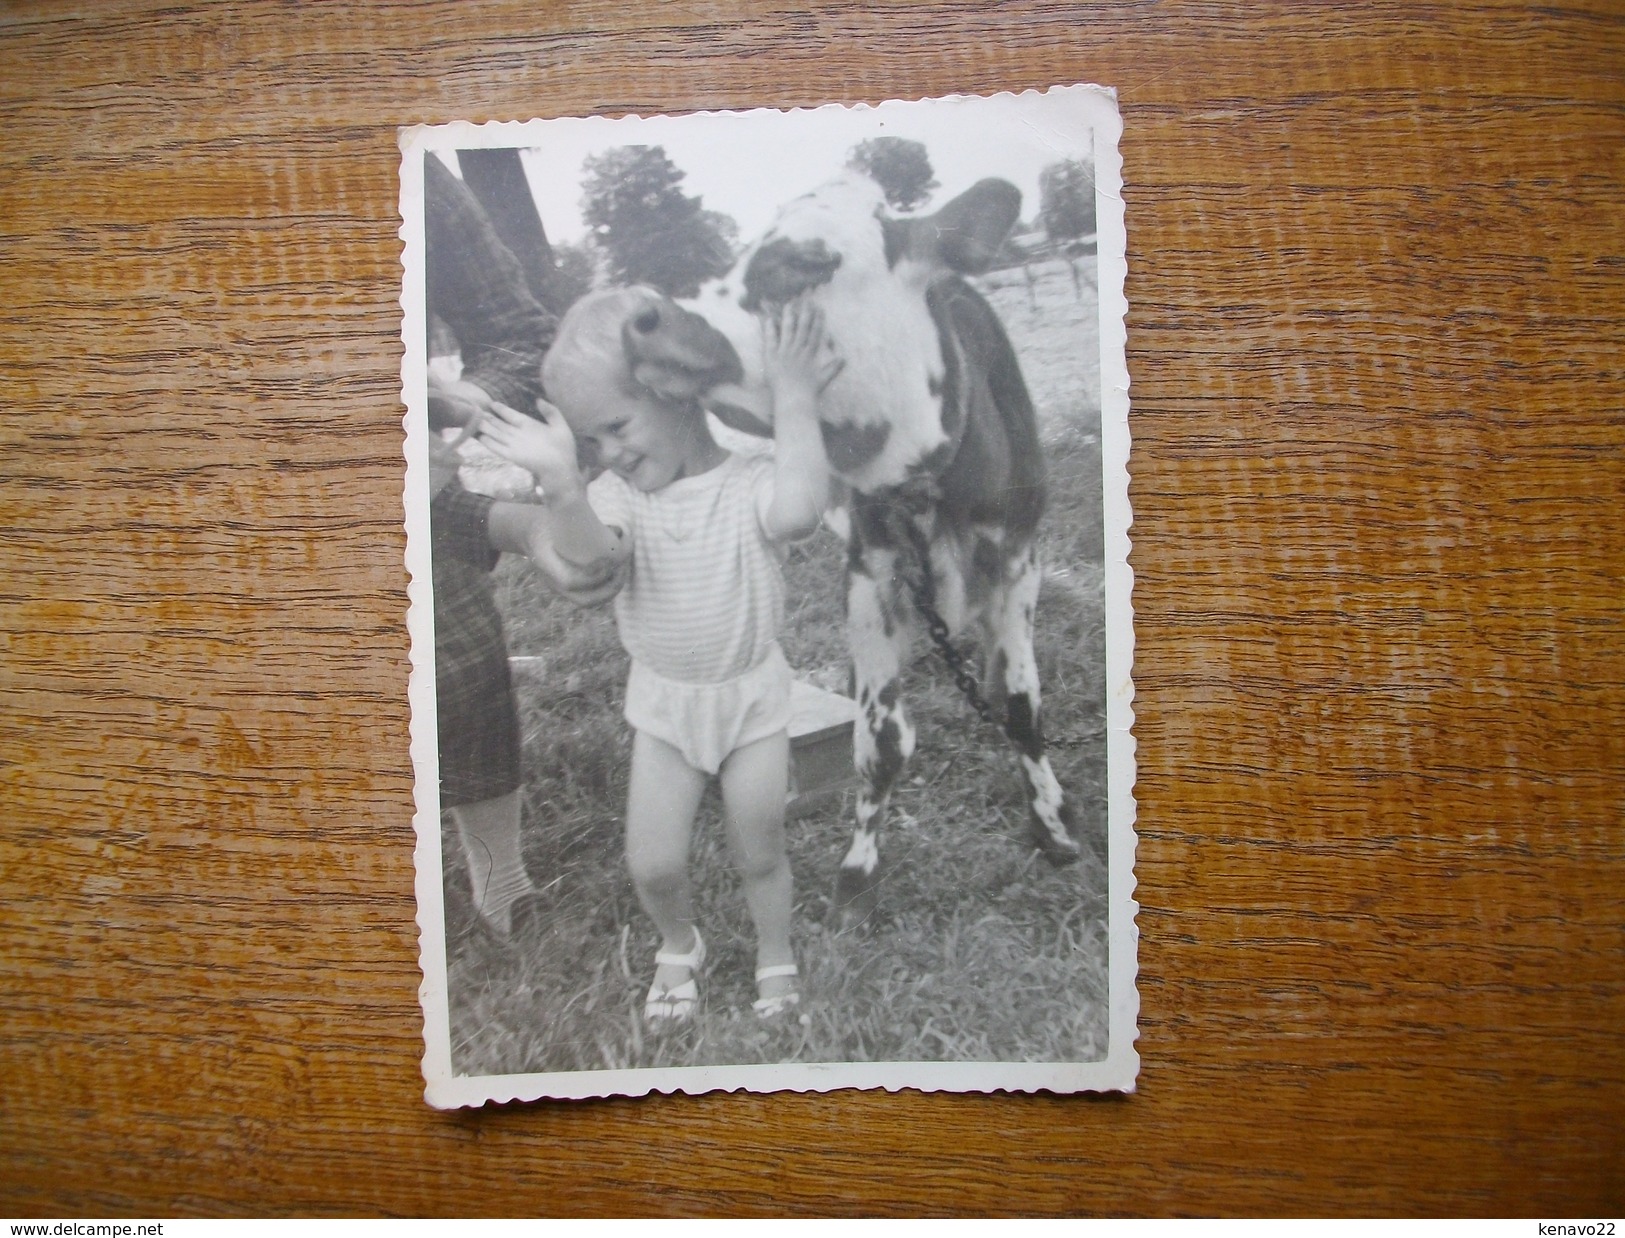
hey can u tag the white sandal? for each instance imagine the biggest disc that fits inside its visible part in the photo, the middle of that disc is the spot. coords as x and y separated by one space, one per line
676 1005
772 1007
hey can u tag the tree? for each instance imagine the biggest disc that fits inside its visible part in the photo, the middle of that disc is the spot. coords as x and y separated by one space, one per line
649 230
900 166
1066 193
576 272
496 177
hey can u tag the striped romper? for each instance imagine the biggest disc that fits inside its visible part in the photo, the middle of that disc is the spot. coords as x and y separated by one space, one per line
701 608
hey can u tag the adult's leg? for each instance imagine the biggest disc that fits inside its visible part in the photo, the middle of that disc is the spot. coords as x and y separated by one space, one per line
489 832
477 721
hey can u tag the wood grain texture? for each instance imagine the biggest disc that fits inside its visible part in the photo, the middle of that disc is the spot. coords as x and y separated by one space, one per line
1376 341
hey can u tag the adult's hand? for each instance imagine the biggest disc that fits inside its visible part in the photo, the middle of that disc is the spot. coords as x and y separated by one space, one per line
592 585
532 530
443 464
454 402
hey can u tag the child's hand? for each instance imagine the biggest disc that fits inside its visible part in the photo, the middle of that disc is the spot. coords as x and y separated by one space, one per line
797 357
799 364
544 447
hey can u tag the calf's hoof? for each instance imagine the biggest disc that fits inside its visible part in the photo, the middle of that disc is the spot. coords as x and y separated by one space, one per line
1058 851
855 900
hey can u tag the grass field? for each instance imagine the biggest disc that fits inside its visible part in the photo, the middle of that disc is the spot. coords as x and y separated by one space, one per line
980 952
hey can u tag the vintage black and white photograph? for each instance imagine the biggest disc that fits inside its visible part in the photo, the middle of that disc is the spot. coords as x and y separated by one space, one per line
767 512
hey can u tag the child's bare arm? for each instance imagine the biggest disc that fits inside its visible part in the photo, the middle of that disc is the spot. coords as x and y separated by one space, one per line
799 365
532 530
546 448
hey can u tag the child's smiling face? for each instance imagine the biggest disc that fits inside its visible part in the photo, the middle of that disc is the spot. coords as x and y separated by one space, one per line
645 442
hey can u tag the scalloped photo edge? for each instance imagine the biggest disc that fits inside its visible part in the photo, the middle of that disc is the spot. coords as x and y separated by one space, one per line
549 1004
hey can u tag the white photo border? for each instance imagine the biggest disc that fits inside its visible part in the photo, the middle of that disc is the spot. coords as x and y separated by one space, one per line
1079 106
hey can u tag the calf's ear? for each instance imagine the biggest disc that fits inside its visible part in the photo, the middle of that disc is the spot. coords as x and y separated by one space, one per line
675 353
965 235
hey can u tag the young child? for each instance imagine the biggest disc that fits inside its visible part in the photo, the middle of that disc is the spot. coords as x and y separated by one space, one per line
696 530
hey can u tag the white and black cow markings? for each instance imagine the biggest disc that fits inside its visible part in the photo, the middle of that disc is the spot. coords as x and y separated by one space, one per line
931 426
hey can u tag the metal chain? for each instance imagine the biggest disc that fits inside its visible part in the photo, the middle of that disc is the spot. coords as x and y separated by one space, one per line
917 576
924 595
956 661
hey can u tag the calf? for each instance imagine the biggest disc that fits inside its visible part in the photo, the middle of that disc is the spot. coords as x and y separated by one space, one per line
930 425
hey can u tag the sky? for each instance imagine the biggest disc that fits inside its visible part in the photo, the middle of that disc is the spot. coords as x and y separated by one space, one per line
746 164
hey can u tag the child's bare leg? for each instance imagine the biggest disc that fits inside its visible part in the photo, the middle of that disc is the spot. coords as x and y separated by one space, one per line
489 831
663 796
755 779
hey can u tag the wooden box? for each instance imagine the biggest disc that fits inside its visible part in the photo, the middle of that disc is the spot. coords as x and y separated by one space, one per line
820 747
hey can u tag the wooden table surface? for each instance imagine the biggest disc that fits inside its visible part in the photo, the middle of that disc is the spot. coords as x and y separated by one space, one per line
1377 279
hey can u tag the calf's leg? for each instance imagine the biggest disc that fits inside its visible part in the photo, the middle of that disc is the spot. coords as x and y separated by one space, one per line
1012 680
884 738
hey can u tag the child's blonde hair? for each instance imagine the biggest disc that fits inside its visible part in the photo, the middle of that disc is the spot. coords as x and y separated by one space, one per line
588 358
